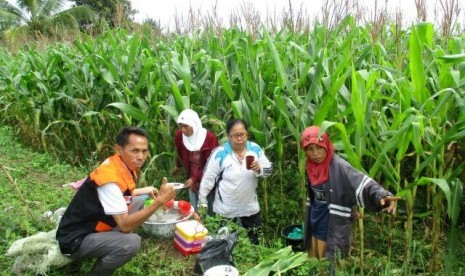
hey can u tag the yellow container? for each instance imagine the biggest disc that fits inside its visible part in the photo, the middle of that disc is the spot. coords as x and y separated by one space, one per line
191 230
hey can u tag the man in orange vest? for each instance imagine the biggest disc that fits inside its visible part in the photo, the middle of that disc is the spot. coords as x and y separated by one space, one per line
99 221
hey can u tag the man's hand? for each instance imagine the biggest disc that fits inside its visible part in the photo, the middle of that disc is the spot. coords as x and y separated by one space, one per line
389 204
149 190
166 192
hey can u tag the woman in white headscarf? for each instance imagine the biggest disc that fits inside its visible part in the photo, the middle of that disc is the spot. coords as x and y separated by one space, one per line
193 145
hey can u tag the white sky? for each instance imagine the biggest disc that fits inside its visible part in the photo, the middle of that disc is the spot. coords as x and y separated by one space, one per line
163 11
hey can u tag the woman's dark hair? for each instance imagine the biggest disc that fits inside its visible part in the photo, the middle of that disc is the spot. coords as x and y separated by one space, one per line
122 138
233 122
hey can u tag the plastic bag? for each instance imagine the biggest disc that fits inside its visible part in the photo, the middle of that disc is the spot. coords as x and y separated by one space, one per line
217 251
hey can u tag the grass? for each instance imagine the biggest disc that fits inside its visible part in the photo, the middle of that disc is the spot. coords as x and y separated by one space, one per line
383 100
39 178
36 187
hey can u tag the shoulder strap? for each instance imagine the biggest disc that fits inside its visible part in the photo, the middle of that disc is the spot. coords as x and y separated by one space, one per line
217 182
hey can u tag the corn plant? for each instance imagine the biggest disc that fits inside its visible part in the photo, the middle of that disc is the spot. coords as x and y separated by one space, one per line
394 108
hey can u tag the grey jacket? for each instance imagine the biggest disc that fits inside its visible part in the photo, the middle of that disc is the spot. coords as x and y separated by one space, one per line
347 187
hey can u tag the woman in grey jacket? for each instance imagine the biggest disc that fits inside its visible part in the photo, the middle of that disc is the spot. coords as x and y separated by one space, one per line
334 188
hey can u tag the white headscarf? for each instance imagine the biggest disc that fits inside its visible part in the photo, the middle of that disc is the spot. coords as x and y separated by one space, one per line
191 118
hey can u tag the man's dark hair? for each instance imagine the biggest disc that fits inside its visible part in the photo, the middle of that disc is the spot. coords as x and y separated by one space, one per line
122 138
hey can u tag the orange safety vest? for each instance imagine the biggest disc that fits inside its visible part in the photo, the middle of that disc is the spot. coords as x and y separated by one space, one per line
85 213
113 170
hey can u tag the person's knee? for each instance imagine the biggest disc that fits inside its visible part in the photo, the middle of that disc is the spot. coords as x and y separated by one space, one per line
131 244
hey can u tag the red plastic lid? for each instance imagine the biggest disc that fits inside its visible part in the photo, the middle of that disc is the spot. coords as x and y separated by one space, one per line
184 206
185 251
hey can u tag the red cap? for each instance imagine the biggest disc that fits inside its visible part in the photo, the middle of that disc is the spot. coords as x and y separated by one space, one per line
310 136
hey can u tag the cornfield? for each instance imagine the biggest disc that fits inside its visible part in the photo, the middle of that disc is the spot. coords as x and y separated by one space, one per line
394 107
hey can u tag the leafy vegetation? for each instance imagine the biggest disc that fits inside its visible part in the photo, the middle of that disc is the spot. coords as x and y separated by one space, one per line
391 99
35 19
108 9
37 188
39 179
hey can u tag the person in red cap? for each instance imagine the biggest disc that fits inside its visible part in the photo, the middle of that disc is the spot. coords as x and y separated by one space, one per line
334 187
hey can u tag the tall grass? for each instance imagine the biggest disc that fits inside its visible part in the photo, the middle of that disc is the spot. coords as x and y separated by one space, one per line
393 106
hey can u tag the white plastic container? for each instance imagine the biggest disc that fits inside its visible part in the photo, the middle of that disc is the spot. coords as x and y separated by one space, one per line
223 270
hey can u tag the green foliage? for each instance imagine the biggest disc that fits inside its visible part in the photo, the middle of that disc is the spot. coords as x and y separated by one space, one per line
394 109
38 178
109 9
35 19
278 262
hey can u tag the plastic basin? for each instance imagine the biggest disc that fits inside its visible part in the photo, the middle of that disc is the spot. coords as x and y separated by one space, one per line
296 244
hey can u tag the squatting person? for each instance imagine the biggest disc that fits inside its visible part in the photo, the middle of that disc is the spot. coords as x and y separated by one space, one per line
99 221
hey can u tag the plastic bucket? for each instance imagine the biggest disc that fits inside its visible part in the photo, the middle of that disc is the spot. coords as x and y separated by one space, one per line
297 244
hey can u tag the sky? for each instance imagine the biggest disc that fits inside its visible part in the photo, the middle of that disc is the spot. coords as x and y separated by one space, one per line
164 11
